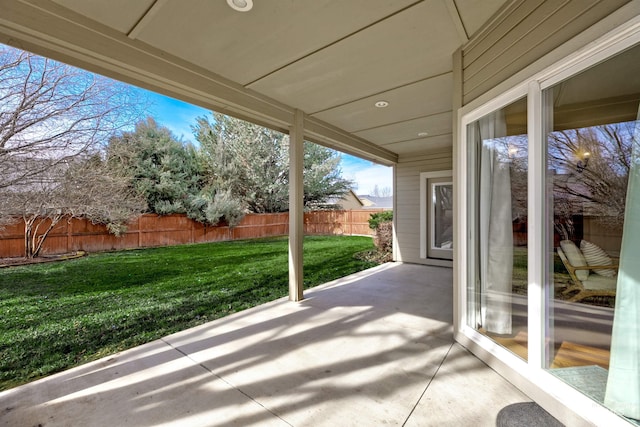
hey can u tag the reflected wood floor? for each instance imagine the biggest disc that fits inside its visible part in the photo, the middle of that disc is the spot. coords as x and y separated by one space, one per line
567 354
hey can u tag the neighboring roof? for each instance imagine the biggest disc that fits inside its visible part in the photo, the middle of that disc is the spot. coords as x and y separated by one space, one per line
373 202
330 60
349 201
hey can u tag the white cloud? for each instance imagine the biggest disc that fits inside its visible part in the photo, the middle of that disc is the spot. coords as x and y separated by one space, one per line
366 174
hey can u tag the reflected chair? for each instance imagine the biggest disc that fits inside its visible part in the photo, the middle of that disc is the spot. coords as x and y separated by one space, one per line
587 285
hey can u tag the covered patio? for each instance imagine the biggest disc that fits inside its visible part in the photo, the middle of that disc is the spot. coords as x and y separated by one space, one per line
374 348
403 83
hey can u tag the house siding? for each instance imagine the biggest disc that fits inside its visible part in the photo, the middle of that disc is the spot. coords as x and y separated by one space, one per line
523 33
407 210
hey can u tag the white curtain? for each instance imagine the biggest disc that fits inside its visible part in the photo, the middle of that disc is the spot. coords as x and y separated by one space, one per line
495 226
623 385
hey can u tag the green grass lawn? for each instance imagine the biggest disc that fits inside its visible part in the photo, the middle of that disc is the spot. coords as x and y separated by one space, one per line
58 315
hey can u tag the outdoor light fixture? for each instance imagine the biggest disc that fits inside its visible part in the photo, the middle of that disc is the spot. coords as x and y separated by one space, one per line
381 104
240 5
582 164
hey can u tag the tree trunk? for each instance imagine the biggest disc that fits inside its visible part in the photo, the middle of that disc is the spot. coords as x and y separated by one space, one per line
32 238
28 227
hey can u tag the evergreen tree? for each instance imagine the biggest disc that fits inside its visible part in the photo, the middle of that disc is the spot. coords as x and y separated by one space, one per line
322 175
164 170
249 164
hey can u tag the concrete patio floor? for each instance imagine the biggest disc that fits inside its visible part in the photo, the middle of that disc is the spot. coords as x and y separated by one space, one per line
372 349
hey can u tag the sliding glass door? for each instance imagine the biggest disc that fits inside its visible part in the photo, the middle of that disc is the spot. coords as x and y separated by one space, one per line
552 229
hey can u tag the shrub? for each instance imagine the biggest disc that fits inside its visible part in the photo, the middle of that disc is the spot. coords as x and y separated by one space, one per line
379 217
382 223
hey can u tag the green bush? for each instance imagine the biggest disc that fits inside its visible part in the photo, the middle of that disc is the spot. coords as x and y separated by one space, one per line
379 217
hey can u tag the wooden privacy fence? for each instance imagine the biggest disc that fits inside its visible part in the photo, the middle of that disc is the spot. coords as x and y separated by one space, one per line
151 230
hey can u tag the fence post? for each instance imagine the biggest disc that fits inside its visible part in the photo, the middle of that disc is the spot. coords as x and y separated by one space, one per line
69 226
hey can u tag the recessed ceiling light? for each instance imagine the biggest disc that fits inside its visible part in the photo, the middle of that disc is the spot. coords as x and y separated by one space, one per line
240 5
381 104
421 134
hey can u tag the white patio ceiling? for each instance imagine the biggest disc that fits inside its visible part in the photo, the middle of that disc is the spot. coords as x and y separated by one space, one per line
332 59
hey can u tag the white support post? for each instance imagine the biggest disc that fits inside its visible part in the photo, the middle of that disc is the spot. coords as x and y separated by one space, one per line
296 206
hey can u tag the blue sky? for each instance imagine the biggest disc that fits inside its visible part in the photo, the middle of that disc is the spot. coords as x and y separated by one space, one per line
179 116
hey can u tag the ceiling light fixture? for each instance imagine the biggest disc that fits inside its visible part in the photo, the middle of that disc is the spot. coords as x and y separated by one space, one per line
381 104
240 5
423 134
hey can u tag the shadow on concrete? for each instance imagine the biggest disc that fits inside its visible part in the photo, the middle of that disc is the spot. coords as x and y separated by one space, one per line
358 351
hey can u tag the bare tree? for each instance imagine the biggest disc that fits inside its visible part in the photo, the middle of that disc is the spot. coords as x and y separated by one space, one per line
381 192
79 188
592 170
53 112
53 118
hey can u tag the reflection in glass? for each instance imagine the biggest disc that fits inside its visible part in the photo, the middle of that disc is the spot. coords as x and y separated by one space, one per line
498 287
591 135
442 214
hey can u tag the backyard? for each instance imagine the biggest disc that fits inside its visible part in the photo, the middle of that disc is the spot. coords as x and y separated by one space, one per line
59 315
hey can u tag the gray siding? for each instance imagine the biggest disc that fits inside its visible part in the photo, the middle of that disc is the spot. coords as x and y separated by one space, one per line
523 33
407 209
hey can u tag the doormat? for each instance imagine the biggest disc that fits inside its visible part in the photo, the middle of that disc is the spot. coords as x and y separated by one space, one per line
589 380
526 414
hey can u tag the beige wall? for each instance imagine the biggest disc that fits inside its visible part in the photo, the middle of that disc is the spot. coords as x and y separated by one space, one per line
407 210
608 238
350 201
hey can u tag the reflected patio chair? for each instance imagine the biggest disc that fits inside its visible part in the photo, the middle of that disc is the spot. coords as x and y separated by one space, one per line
586 283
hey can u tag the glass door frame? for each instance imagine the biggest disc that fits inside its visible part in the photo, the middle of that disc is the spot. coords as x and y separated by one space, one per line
528 375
